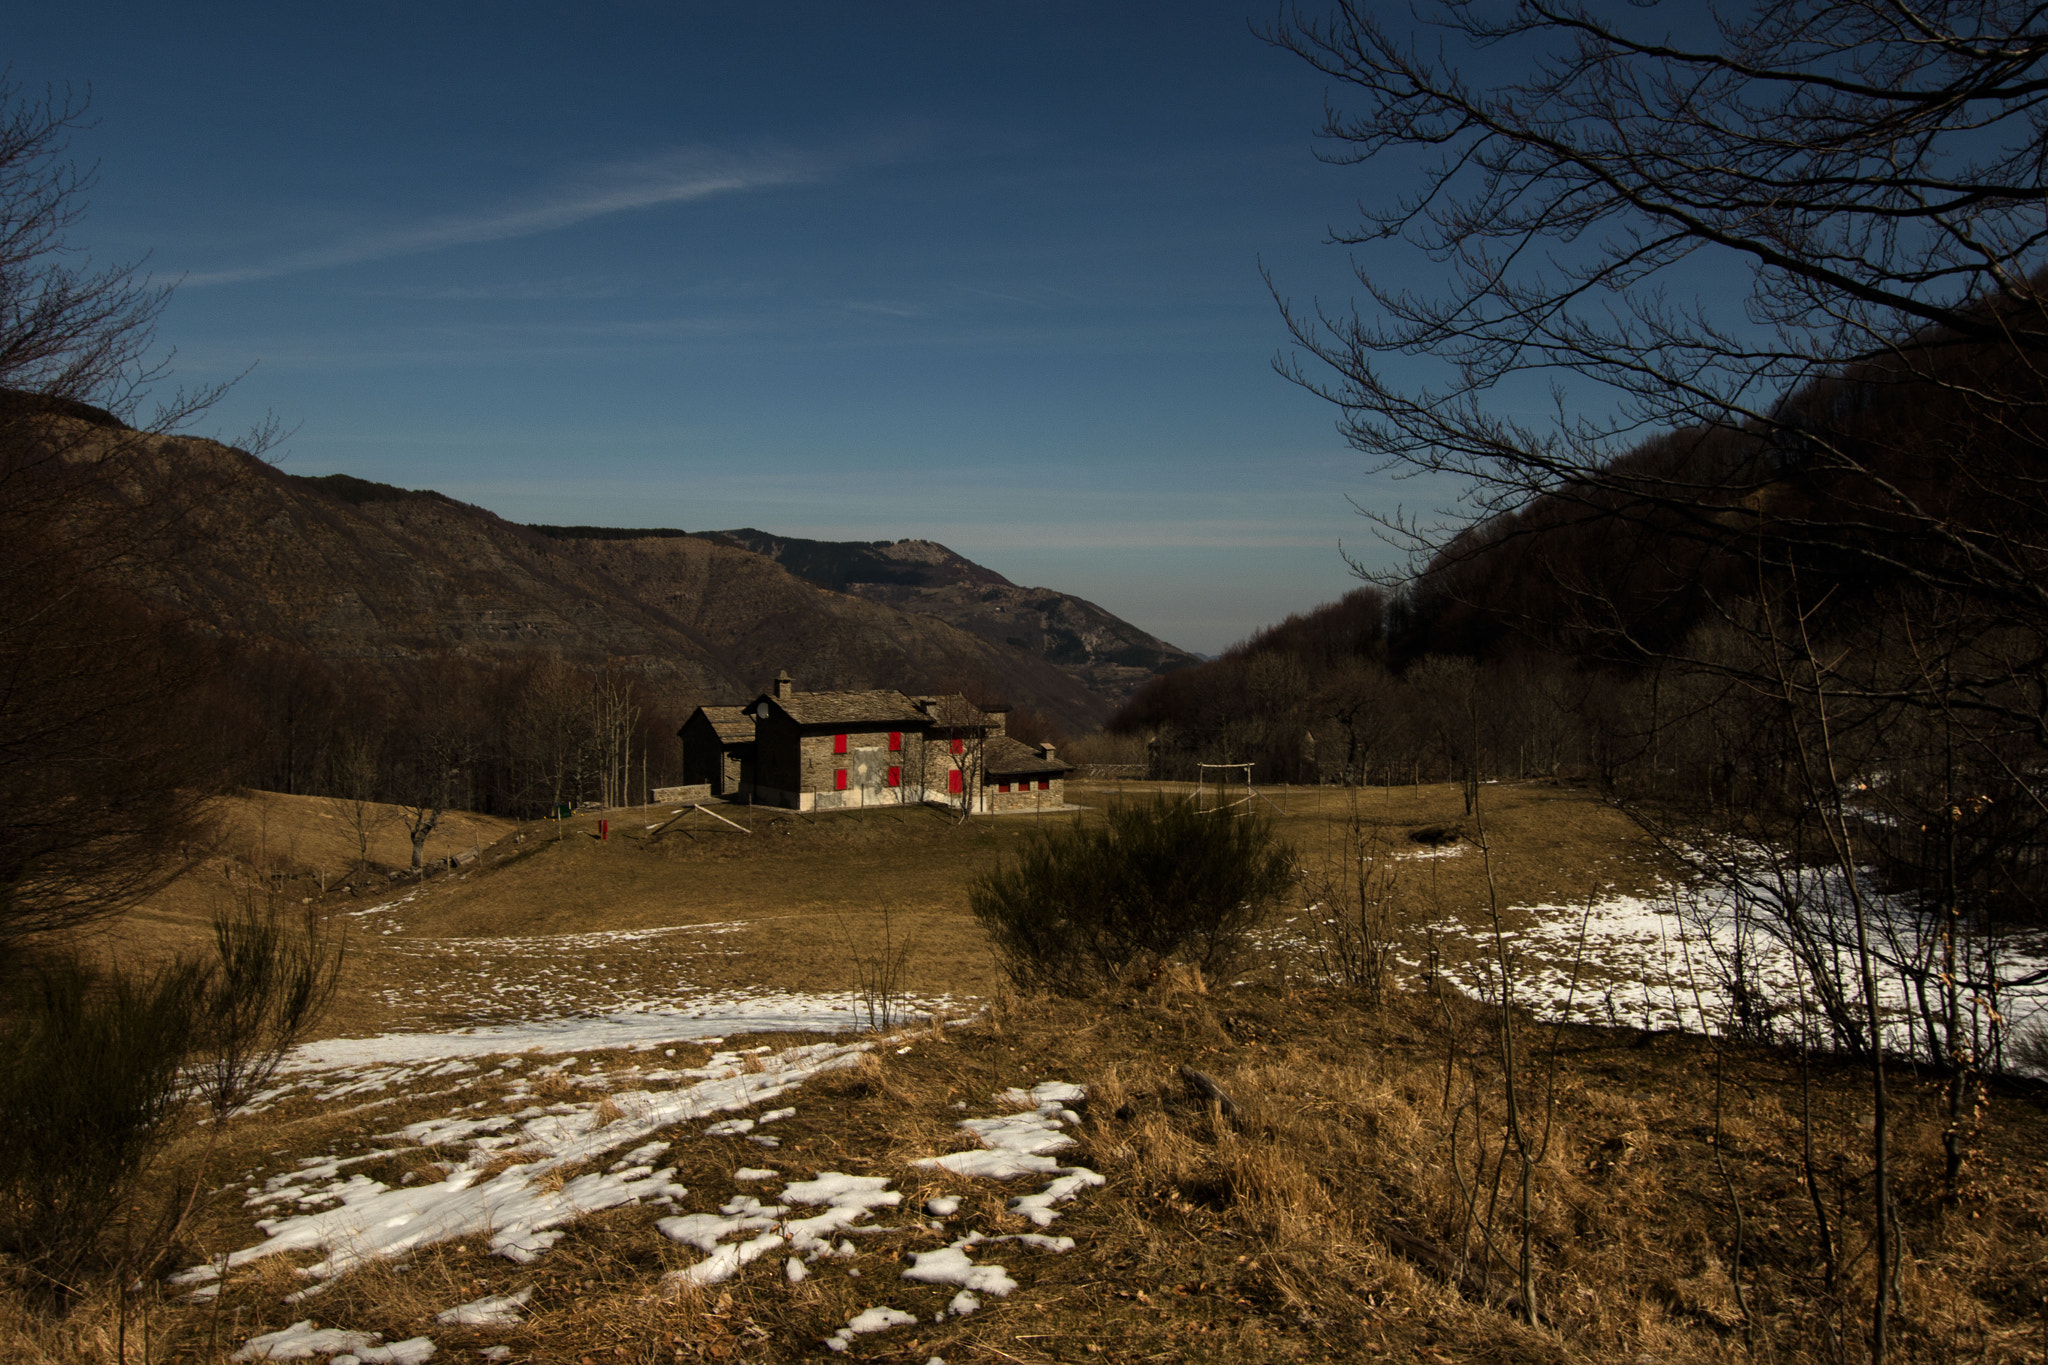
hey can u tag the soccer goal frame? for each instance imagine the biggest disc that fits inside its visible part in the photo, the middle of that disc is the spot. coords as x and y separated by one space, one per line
1241 797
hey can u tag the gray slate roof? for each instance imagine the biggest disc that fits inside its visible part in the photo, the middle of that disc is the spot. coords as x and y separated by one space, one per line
845 708
1006 757
731 724
955 712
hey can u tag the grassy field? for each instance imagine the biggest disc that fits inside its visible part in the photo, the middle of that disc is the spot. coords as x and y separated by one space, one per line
1350 1206
788 894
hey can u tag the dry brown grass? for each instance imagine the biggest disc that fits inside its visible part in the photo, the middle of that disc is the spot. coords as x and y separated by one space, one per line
1321 1223
780 902
1325 1221
300 836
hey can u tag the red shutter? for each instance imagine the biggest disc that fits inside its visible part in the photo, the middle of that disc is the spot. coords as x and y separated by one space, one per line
895 741
959 746
895 777
839 780
839 744
1002 786
1044 785
953 781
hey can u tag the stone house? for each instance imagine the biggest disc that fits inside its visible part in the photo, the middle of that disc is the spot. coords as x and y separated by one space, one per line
848 750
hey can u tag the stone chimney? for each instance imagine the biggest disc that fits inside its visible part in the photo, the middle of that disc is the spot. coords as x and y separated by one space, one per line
1045 751
782 685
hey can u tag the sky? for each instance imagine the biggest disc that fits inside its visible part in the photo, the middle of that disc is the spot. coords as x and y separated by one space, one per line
986 275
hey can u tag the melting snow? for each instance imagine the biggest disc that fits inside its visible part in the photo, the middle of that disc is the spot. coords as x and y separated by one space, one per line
500 1310
302 1341
501 1175
709 1017
1014 1145
874 1320
1670 962
520 1212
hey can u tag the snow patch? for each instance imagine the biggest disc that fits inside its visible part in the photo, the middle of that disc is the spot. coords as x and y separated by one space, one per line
518 1208
302 1341
873 1320
1014 1145
501 1310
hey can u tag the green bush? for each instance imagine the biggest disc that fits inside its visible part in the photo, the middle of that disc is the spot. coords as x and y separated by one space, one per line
100 1068
1091 904
89 1068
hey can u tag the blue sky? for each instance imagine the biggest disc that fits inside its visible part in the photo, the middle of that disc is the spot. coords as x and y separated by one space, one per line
987 275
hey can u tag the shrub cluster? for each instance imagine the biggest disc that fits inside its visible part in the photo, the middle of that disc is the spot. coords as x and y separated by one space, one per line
99 1068
1089 904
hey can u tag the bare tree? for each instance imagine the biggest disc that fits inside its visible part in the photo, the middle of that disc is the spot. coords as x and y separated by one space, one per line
1783 279
957 741
1871 170
615 715
1357 697
1451 696
353 775
552 729
1742 248
432 772
104 760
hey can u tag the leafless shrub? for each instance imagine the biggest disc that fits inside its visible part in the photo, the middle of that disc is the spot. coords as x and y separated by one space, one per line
1356 910
880 968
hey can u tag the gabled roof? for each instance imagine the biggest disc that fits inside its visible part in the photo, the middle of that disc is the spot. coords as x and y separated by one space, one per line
954 711
731 724
1006 757
845 708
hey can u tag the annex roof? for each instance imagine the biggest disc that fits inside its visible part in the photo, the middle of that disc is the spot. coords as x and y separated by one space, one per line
1006 757
731 724
954 710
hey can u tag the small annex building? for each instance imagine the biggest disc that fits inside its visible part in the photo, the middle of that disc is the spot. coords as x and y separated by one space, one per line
849 750
1023 777
718 750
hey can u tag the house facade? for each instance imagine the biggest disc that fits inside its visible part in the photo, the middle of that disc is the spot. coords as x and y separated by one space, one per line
850 750
836 750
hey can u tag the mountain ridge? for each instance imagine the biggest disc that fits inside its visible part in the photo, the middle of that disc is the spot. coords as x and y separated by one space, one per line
1109 655
360 571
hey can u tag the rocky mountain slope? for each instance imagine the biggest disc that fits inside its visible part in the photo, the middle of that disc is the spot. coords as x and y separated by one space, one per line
1108 655
364 571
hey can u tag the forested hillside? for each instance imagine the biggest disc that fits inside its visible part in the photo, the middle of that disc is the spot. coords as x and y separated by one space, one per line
1728 620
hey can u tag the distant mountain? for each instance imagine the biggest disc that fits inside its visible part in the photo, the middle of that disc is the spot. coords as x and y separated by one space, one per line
1110 656
364 571
842 565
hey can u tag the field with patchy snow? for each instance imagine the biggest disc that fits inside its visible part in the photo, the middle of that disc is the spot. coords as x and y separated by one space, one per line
615 1100
511 1174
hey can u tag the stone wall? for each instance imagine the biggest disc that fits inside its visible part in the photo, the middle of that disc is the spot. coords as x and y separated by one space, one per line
1026 797
733 779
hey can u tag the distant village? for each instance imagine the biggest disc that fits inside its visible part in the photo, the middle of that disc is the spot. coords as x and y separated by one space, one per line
823 751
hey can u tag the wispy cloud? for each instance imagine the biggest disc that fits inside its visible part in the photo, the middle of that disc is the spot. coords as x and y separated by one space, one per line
678 178
504 291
